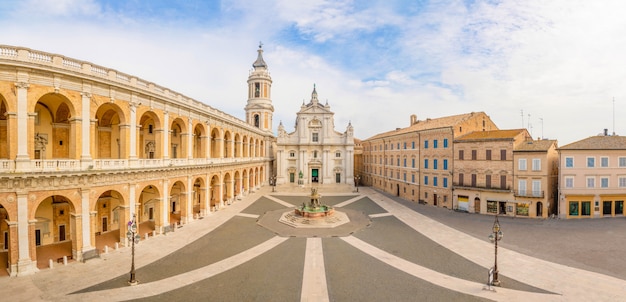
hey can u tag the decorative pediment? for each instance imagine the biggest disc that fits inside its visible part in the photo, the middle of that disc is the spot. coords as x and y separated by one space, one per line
315 123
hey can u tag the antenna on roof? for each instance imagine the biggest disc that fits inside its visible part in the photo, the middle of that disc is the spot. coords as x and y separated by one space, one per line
530 127
613 115
541 120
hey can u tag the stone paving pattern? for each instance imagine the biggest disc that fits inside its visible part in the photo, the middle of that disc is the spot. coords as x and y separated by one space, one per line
228 256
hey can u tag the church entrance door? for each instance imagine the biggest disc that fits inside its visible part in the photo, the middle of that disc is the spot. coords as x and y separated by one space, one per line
314 175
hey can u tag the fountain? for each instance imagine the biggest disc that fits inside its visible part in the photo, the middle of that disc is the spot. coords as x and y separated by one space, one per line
314 215
314 219
314 209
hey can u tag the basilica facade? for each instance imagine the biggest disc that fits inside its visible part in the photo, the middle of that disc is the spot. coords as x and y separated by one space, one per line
85 148
315 152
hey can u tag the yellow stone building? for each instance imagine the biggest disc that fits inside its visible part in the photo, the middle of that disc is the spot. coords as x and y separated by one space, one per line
83 148
505 172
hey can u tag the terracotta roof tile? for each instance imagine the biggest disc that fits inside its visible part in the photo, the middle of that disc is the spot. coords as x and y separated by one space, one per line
491 135
538 145
601 142
434 123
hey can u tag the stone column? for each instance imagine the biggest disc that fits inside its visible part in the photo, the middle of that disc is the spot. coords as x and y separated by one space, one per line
221 190
13 248
349 167
22 160
133 131
88 250
208 152
85 124
326 168
189 201
166 136
190 145
207 195
25 266
165 205
132 201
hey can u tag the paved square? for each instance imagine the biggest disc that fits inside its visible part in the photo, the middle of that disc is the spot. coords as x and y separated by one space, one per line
407 252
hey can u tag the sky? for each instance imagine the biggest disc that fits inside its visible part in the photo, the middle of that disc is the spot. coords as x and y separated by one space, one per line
557 68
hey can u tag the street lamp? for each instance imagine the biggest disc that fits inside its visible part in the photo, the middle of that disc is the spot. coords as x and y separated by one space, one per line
356 182
495 236
133 237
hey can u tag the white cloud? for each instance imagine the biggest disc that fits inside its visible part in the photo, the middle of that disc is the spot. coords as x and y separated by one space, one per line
558 60
60 8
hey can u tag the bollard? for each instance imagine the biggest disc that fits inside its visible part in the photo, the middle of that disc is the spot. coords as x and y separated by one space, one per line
106 249
50 263
146 236
117 245
126 241
153 233
64 260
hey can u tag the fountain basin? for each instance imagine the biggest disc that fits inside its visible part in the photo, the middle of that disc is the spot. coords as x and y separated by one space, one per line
314 212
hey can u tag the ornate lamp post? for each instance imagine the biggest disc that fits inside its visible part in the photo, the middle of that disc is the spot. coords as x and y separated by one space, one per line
133 236
356 182
495 236
273 180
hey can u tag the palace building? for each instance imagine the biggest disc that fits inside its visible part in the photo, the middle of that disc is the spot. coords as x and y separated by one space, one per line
84 148
417 162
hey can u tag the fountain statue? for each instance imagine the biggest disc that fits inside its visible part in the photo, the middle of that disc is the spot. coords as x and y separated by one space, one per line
314 209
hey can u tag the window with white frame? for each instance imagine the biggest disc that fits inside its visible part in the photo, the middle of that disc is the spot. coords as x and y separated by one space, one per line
569 181
521 187
622 181
591 182
569 162
536 164
604 162
522 164
315 137
604 182
622 162
536 187
591 162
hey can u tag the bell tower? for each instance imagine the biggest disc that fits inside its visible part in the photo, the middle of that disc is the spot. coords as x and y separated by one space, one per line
259 109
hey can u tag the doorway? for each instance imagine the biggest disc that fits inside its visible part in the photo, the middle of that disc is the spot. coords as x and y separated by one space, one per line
104 224
37 237
315 175
539 209
502 207
62 232
476 205
435 199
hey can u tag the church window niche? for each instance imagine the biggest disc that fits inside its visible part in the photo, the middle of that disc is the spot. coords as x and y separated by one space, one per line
257 122
315 137
257 89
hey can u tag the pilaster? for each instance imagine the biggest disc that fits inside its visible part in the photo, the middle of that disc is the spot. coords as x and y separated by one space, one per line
85 156
25 265
22 160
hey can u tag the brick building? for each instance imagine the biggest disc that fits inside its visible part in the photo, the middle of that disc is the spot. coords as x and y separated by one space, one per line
416 162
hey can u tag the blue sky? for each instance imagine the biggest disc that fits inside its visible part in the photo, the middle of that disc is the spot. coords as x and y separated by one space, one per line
559 62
